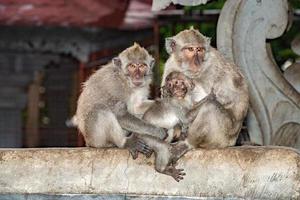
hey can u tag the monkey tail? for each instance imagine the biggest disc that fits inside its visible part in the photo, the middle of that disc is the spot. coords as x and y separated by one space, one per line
71 123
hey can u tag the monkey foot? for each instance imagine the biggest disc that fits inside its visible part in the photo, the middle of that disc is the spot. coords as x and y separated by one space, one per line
177 151
140 147
177 174
136 145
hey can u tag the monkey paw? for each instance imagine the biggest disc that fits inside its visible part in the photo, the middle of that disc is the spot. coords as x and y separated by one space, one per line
139 147
177 174
143 148
135 145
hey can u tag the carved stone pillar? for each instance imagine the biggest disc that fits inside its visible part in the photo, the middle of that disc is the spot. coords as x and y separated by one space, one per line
243 28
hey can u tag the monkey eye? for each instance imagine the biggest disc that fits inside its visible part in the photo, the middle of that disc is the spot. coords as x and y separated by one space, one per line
190 48
131 66
142 66
201 49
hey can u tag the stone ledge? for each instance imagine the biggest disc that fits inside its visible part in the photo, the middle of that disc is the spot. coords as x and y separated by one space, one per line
239 172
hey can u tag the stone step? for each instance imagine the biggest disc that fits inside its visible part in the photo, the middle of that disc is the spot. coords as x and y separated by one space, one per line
230 173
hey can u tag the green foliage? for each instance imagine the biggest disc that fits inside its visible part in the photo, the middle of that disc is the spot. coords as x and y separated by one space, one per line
295 4
281 47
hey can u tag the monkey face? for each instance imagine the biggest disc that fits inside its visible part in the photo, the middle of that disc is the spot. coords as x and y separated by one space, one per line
178 88
136 64
190 48
194 56
136 72
177 85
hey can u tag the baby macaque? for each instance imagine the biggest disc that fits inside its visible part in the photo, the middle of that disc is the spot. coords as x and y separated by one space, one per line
170 111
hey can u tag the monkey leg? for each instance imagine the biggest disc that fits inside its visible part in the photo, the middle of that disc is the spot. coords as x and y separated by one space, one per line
179 149
164 162
212 128
103 129
133 124
176 134
135 145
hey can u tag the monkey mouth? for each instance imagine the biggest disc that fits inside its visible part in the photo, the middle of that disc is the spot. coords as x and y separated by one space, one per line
179 93
194 67
137 83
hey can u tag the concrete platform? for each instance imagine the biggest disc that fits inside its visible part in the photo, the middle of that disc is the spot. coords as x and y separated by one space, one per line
87 173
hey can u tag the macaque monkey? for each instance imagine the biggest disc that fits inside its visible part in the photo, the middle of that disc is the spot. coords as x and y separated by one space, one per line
110 102
220 92
170 111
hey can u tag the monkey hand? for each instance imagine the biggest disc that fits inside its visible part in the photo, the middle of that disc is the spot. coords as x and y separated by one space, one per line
162 133
135 145
183 132
183 135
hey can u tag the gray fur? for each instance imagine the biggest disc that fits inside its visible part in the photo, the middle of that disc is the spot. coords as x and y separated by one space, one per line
218 120
109 108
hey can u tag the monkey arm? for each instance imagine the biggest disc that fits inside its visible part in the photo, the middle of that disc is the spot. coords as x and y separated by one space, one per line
145 106
131 123
192 114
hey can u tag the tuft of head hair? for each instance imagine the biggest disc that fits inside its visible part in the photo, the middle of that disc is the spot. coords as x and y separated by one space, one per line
191 36
135 53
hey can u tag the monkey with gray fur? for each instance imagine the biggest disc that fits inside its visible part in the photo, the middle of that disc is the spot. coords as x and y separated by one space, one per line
220 92
110 103
170 111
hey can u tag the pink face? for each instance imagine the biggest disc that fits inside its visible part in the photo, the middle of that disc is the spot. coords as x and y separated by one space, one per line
137 72
178 85
194 56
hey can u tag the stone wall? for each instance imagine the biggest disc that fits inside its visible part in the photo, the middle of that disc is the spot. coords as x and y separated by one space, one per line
244 172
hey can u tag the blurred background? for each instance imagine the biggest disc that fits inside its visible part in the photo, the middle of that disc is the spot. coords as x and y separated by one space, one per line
49 47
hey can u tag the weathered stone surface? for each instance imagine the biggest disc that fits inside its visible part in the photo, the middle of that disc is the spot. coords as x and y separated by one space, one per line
102 197
264 172
242 32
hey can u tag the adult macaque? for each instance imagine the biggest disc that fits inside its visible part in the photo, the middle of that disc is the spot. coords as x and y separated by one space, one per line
220 90
170 111
110 102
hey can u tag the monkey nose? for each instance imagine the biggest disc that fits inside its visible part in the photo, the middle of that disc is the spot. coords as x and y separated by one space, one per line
137 76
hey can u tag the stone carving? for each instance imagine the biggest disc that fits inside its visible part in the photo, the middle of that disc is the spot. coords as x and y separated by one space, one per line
243 28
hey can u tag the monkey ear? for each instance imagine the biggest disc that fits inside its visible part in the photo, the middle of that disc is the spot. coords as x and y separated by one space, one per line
117 62
152 63
207 42
170 45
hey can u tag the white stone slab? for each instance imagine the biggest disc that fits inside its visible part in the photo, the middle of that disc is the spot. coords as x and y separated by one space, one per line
245 172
